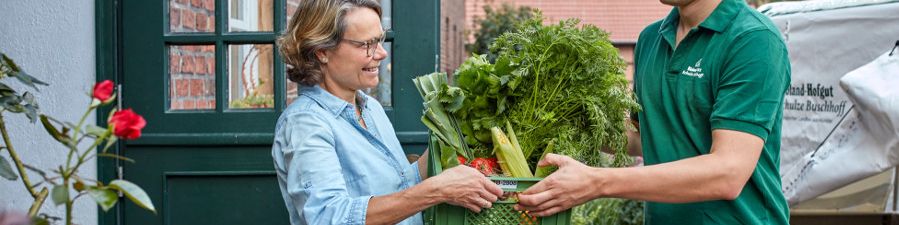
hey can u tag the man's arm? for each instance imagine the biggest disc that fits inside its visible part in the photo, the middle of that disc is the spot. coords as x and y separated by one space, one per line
721 174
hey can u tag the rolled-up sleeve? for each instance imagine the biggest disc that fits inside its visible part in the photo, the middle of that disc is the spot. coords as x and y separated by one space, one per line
314 177
416 176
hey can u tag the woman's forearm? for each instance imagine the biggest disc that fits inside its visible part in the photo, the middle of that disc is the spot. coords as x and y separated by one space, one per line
393 208
423 165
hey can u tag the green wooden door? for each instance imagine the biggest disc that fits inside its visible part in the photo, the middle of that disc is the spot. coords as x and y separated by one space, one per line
207 77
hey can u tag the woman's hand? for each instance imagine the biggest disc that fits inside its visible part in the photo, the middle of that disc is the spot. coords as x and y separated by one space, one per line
465 186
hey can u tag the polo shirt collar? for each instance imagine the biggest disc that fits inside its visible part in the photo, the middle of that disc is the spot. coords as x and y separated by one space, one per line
720 19
723 16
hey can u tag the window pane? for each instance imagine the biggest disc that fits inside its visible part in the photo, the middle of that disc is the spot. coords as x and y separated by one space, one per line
191 77
250 15
250 72
292 92
291 8
382 91
187 16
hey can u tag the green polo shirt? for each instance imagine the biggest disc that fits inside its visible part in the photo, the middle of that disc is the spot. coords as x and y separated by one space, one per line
729 73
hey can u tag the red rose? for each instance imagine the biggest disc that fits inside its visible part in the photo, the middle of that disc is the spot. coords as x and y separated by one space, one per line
126 124
103 90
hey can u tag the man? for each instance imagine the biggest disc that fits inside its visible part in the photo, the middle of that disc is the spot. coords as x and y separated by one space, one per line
711 78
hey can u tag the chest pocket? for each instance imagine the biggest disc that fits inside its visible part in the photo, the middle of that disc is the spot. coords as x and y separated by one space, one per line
693 90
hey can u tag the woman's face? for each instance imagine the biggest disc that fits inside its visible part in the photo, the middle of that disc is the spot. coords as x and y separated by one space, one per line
350 66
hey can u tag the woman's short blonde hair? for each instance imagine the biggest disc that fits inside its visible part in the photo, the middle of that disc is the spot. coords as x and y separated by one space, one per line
317 25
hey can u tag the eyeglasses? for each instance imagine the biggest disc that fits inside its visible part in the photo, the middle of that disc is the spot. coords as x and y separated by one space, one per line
371 45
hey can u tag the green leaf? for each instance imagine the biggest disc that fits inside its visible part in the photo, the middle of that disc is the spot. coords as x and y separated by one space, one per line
27 79
60 194
39 221
133 192
105 197
31 112
28 98
109 142
6 90
6 170
95 130
110 155
10 102
62 138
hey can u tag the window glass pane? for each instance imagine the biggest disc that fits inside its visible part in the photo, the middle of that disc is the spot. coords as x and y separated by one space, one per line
250 15
186 16
291 91
250 72
383 90
191 77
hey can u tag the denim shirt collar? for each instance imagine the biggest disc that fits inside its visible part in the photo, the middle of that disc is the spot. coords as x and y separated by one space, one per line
330 102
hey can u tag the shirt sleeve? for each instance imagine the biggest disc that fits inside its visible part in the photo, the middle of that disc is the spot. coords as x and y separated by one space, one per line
314 179
751 88
416 177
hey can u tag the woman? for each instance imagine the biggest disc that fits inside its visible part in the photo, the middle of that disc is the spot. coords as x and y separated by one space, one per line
336 154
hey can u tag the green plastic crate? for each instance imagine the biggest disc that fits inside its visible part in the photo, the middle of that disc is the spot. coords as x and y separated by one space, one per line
501 213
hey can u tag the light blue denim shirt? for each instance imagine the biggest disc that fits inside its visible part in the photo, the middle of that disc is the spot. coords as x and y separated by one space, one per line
329 166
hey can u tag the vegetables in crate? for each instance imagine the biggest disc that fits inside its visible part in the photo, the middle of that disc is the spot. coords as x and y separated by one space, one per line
440 101
553 83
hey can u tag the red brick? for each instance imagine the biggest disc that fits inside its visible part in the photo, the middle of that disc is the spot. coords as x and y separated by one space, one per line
189 104
181 88
187 64
183 1
199 65
201 22
210 87
210 5
175 105
210 24
196 87
174 18
188 19
174 64
202 104
196 3
210 69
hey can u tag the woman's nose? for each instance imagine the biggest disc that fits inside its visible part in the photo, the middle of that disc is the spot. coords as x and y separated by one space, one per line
380 52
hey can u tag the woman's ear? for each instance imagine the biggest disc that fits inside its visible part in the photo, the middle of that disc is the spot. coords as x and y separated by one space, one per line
322 56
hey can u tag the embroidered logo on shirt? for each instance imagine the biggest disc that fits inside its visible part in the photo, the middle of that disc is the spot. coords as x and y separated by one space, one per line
695 70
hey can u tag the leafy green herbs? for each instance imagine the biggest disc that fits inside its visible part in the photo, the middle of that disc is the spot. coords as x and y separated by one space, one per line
558 83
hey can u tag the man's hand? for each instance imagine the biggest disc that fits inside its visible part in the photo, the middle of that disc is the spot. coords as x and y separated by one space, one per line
465 186
569 186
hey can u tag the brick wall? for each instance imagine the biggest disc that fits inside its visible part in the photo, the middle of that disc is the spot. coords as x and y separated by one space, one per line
452 34
191 67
